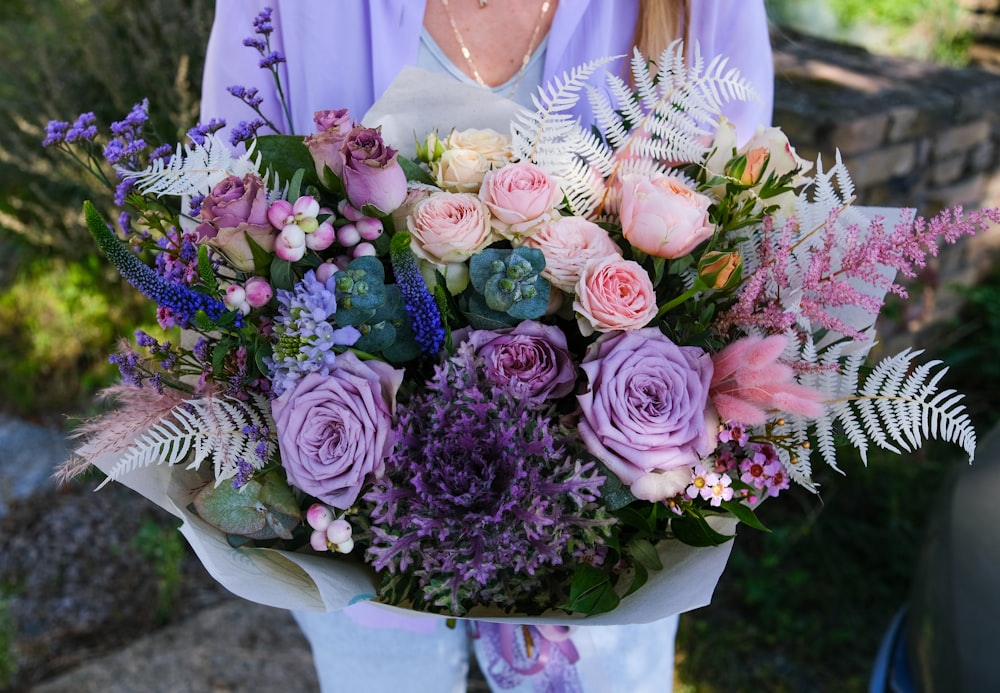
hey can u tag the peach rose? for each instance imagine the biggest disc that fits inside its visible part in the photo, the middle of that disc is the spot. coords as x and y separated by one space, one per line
613 294
662 216
568 244
520 196
449 227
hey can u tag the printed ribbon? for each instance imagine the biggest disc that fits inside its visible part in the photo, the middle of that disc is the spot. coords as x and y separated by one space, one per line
510 654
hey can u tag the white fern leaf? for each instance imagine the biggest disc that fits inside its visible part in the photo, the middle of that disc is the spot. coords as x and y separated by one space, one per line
193 169
196 430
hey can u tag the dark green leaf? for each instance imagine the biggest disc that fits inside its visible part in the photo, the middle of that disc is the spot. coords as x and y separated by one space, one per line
281 274
414 171
644 553
591 591
744 514
695 531
286 154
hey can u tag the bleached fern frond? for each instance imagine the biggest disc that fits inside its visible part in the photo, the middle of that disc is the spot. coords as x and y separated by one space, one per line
193 169
898 407
196 430
663 117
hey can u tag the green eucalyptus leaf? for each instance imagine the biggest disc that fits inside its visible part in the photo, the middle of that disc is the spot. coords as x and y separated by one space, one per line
614 494
535 307
482 317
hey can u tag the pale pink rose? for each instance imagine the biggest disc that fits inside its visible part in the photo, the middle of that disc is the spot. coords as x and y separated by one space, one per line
520 196
414 193
569 243
783 157
449 227
663 217
613 294
460 170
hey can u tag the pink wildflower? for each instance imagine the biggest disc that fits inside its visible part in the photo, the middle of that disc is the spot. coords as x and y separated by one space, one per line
754 470
749 381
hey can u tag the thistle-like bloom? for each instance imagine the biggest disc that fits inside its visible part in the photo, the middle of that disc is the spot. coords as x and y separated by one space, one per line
483 495
305 335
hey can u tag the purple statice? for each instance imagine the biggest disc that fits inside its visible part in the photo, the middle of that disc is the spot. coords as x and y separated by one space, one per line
483 501
55 133
127 143
83 129
245 131
248 95
199 132
179 263
304 333
425 316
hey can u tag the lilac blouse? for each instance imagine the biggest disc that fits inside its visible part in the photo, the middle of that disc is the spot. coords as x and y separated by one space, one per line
344 54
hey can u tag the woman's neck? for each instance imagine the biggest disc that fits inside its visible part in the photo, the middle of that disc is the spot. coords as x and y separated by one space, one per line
498 38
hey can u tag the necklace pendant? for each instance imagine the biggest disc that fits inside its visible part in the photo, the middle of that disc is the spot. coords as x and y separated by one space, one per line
483 3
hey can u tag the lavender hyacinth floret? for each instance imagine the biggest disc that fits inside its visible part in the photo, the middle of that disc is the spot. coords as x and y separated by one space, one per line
485 495
305 336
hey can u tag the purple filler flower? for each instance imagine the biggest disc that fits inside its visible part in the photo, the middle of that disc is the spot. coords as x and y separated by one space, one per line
532 354
647 404
335 430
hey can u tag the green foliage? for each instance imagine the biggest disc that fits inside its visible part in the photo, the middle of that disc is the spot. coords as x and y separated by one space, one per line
925 29
58 322
163 547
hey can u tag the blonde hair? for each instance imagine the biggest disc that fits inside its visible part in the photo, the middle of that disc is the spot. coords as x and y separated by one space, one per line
660 22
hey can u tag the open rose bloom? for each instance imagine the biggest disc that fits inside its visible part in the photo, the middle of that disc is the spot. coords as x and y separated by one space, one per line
520 374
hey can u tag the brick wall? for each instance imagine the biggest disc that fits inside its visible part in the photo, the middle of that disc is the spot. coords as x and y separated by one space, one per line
912 134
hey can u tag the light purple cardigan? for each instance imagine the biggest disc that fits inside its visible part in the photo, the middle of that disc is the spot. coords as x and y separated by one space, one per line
344 53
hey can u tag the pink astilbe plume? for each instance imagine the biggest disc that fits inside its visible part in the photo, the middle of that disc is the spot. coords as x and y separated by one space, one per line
750 381
137 410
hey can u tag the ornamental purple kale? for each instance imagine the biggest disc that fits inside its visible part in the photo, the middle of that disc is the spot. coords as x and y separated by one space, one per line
483 501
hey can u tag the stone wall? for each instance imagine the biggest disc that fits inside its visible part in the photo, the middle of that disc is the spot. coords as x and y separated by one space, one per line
912 134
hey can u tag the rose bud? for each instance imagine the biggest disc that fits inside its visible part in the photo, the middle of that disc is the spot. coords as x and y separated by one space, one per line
721 270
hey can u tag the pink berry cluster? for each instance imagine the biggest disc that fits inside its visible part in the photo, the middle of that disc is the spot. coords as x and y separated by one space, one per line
330 533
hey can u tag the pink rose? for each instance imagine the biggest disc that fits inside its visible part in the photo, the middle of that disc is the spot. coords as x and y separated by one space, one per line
332 128
520 196
530 353
662 216
449 227
569 243
646 408
372 175
335 431
613 294
235 210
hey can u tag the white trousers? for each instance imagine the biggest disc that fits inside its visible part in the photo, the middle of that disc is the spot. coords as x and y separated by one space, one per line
359 651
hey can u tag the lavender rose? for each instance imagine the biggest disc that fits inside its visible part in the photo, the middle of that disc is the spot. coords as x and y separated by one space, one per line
531 353
335 431
646 408
372 175
235 210
332 128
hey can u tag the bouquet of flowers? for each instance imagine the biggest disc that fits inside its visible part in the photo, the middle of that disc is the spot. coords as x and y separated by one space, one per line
521 373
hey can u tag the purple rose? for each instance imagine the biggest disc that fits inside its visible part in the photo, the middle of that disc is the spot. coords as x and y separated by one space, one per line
335 431
530 353
372 175
332 127
235 210
646 408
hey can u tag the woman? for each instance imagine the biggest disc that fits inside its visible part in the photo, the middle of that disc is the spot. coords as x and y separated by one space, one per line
344 54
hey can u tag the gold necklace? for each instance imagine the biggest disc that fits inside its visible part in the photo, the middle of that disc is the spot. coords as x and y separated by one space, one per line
468 55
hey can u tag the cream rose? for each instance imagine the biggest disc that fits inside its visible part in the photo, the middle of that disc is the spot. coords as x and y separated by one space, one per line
460 170
662 216
613 294
569 243
520 197
490 143
449 227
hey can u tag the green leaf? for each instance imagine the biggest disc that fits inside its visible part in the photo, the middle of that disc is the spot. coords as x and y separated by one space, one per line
614 493
591 591
239 511
261 258
744 514
414 171
286 154
205 271
295 185
644 553
639 577
281 274
695 531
